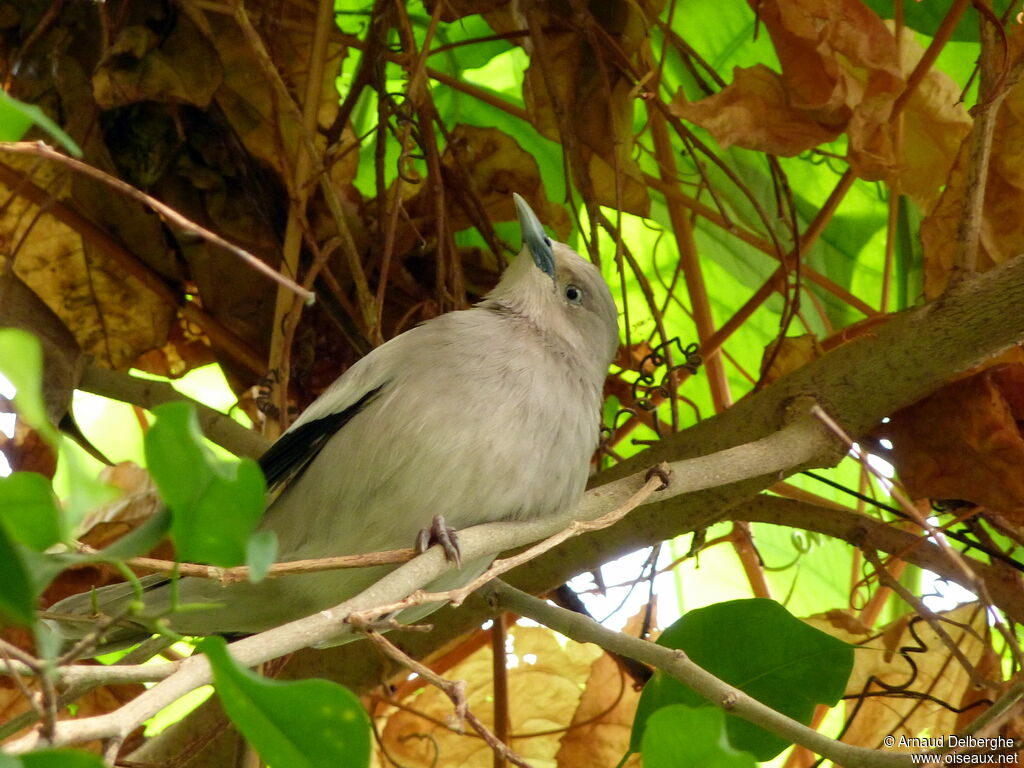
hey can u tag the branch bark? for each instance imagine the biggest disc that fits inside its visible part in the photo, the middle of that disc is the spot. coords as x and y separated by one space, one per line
218 427
802 440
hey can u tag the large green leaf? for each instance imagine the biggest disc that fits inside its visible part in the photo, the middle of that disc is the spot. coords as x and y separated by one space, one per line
16 118
926 16
459 57
28 510
678 736
302 724
16 594
60 758
21 361
215 504
759 647
909 261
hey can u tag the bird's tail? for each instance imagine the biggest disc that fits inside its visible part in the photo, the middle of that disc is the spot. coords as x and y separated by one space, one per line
75 617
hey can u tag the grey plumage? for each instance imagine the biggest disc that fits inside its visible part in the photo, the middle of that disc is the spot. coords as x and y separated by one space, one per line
486 414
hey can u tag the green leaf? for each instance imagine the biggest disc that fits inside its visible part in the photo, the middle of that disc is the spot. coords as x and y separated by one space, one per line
759 647
16 598
909 254
683 737
29 511
85 491
303 724
14 121
215 504
42 568
260 553
926 16
61 758
458 58
16 118
21 361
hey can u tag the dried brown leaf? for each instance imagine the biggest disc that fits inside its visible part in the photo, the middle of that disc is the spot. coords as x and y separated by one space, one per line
600 729
930 671
187 347
20 307
754 112
28 451
178 66
497 166
792 352
841 71
110 314
592 90
965 442
601 726
546 680
1002 228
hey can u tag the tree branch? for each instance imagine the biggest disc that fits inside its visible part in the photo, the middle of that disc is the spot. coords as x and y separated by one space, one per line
801 441
45 151
583 629
218 427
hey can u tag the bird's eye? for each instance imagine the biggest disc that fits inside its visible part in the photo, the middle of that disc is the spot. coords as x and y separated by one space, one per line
573 294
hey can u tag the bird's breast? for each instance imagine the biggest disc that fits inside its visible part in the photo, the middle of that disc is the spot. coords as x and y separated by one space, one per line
497 432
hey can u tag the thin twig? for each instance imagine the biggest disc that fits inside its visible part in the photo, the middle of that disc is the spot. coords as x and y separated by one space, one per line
905 503
453 689
327 188
282 334
933 619
942 36
968 231
686 248
241 572
44 150
658 480
675 663
499 674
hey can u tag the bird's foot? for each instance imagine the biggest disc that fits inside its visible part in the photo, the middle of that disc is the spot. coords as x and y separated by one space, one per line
438 532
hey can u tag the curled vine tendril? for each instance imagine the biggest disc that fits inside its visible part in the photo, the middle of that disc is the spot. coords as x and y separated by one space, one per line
655 384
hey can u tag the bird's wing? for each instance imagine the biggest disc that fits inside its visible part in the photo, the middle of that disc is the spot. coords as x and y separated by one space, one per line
291 453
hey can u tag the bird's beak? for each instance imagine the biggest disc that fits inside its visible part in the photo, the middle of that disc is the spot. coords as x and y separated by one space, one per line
534 237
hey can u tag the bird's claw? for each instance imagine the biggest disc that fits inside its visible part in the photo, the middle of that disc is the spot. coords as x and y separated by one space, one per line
438 532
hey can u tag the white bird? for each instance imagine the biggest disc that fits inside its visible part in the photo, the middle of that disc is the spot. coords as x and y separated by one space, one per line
480 415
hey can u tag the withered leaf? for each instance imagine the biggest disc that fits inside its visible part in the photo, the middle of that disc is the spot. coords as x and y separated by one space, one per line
842 71
545 684
934 673
965 442
754 112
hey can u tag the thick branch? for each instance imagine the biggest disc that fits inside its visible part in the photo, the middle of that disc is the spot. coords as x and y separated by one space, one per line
861 382
220 428
799 442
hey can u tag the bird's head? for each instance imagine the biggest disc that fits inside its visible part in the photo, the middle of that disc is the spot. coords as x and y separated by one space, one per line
560 292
